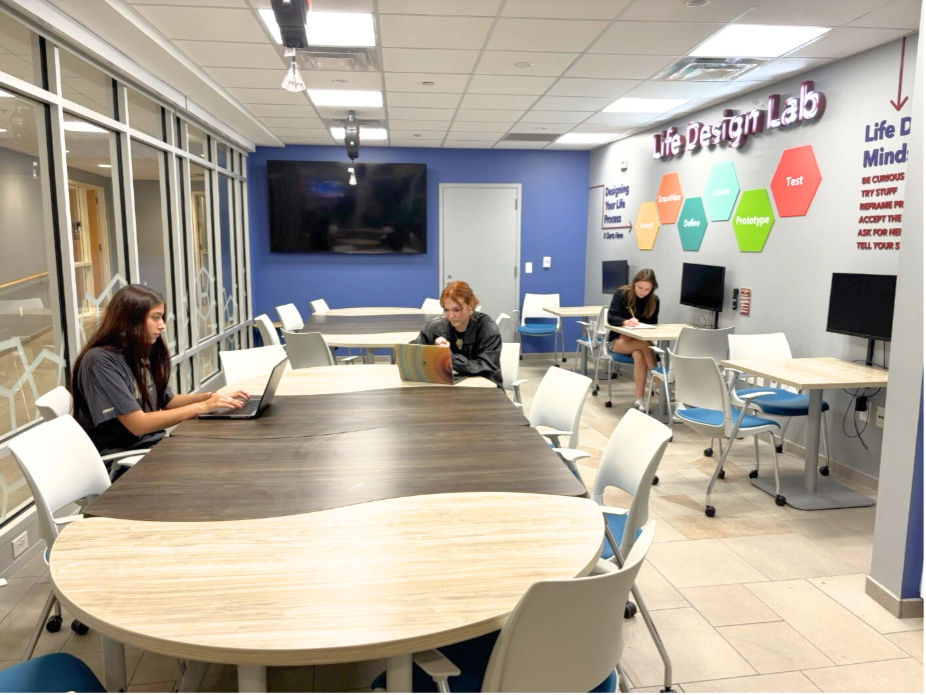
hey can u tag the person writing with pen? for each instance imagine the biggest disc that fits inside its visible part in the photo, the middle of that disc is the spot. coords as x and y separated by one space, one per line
632 305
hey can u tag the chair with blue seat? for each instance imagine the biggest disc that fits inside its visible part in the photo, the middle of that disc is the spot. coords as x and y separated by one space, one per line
562 636
703 403
611 358
786 402
535 322
52 673
593 335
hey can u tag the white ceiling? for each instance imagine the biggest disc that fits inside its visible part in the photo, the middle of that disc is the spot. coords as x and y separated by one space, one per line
585 53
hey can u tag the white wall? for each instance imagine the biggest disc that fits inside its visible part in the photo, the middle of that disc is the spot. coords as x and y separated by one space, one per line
790 279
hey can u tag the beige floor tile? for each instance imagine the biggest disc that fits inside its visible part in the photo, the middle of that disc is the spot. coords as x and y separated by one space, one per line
903 676
842 536
701 563
658 593
36 567
832 629
849 590
773 647
733 604
794 682
788 556
697 650
746 490
670 506
910 642
19 623
155 668
665 532
82 644
95 662
336 677
701 527
16 588
674 483
162 687
295 679
226 683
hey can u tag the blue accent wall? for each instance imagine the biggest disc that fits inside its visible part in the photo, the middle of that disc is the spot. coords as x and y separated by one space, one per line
554 201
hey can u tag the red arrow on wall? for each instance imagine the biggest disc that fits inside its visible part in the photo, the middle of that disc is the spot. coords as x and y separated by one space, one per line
898 105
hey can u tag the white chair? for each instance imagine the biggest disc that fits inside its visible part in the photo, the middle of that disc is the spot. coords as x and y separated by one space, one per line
308 350
60 465
593 335
533 309
432 306
319 306
268 333
506 328
290 318
238 365
511 353
703 403
558 405
786 402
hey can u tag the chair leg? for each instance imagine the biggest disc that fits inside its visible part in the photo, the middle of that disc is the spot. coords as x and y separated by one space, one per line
755 446
779 498
708 509
39 626
609 401
826 447
665 382
649 392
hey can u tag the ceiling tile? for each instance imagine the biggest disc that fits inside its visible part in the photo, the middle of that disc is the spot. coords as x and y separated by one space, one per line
497 101
627 67
504 63
411 82
470 8
509 84
232 55
277 95
408 31
427 100
454 137
846 41
425 134
248 77
535 128
419 126
478 127
204 24
331 5
549 35
201 3
653 38
675 11
672 90
412 114
572 103
620 118
819 13
415 142
496 115
561 146
729 89
474 145
515 145
290 122
782 67
556 9
324 79
303 110
585 87
428 60
364 112
302 132
556 116
600 128
309 141
900 14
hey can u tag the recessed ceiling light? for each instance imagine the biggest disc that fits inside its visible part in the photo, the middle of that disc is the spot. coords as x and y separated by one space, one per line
339 81
757 40
524 64
2 130
636 105
585 138
416 135
365 133
82 127
696 3
539 128
329 28
345 97
427 83
105 166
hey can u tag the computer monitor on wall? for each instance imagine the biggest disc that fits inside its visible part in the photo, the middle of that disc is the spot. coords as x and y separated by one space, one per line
862 305
702 287
614 275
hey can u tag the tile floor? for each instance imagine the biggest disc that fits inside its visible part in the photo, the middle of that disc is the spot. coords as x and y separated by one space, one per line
758 599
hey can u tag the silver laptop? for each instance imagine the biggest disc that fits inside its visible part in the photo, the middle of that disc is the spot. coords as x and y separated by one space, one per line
255 406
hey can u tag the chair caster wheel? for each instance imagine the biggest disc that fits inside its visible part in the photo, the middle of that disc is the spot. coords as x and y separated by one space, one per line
780 500
825 470
722 475
655 480
54 624
564 359
708 452
779 448
79 628
594 392
710 511
668 690
753 474
630 610
555 364
607 404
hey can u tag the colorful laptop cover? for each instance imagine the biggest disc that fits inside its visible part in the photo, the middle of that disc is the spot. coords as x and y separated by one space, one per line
429 364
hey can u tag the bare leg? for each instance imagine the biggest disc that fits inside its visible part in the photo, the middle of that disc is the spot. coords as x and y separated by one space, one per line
638 349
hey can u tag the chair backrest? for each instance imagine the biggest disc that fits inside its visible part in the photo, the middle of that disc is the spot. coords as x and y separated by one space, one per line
319 306
308 350
559 400
566 635
505 327
55 403
432 305
704 342
268 334
534 305
60 465
629 463
510 359
768 346
238 365
699 384
290 318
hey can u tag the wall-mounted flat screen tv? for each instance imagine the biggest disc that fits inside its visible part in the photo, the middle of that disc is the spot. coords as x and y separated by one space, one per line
315 209
702 286
862 304
614 275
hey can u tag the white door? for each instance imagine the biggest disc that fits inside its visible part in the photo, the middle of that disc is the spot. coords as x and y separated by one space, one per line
480 231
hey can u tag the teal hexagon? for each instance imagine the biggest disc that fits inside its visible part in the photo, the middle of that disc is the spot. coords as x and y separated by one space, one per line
721 191
692 224
753 220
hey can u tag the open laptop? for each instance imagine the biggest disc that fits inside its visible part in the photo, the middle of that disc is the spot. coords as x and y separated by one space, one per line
429 364
255 406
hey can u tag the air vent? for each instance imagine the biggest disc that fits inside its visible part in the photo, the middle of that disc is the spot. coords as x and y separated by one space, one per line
530 137
708 69
343 59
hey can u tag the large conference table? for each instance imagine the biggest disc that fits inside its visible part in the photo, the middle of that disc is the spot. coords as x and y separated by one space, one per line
361 517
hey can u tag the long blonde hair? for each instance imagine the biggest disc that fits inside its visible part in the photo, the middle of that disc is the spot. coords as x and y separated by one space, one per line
648 307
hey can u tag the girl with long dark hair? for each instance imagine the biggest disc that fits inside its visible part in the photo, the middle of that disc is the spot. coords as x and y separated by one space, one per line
631 305
121 395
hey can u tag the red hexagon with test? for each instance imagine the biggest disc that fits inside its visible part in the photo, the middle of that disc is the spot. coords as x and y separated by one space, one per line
796 181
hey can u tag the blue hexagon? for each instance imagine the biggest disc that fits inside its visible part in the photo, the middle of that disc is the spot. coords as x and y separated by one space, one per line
692 224
721 192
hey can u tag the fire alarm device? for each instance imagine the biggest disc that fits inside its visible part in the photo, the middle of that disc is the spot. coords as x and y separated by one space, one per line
745 300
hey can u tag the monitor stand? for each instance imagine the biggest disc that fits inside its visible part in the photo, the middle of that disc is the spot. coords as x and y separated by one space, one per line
870 357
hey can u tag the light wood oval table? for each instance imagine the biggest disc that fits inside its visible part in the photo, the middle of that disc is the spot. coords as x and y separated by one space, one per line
377 311
377 580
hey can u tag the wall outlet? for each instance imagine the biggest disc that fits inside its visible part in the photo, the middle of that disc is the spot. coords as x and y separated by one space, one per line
20 543
879 417
862 415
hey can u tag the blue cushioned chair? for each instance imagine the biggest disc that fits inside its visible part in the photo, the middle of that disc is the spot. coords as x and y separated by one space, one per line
536 322
610 358
52 673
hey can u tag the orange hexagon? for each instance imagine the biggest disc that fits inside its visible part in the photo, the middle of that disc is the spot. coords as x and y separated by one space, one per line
647 226
669 199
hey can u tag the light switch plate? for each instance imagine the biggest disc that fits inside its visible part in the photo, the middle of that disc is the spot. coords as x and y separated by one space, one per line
547 261
528 267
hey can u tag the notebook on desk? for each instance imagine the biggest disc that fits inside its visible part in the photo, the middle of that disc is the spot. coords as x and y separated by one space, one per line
640 326
429 364
255 406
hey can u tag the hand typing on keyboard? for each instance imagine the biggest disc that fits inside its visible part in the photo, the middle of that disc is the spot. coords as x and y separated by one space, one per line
224 402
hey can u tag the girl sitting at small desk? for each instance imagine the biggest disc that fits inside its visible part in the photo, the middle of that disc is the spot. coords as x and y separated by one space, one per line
632 305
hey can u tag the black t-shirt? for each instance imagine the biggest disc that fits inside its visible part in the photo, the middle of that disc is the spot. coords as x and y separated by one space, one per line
476 352
104 389
619 312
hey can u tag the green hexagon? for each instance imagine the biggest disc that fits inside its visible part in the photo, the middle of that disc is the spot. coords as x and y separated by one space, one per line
753 220
692 223
721 191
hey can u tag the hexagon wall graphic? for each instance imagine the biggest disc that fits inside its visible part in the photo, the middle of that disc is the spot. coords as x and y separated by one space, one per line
647 226
721 192
796 181
753 220
669 199
692 223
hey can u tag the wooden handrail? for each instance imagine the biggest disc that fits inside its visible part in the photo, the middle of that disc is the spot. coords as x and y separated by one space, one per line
22 280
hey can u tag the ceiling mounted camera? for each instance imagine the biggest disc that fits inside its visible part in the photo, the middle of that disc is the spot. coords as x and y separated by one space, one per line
291 17
352 136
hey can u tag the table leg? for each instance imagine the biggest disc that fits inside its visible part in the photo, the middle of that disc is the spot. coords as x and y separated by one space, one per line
371 354
399 674
252 679
812 452
194 673
114 675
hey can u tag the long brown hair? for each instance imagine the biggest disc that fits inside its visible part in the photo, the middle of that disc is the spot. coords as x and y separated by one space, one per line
124 329
630 296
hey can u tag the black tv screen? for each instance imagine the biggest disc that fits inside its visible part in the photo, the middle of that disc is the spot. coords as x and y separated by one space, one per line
862 305
702 286
614 275
315 209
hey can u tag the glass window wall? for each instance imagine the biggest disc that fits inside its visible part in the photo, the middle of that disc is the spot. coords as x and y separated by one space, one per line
86 85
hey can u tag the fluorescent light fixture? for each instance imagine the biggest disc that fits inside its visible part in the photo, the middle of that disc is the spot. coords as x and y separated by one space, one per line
82 127
757 40
329 28
365 133
2 130
585 138
105 166
5 94
345 97
636 105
